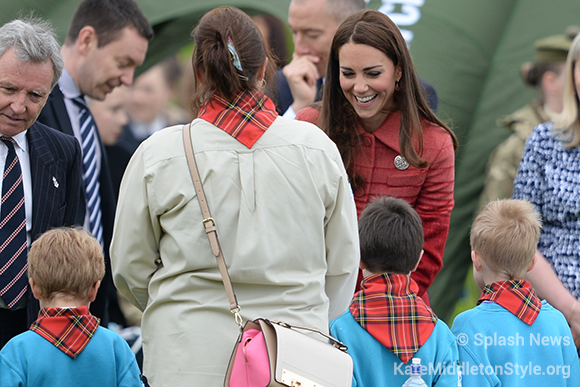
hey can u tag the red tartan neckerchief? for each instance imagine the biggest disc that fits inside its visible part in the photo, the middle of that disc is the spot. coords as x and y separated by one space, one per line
68 329
389 309
518 297
246 118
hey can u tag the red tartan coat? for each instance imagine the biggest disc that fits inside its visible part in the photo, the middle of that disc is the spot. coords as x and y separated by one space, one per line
429 190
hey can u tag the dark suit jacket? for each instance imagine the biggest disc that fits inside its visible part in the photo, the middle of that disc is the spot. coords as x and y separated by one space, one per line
55 115
128 140
56 172
282 95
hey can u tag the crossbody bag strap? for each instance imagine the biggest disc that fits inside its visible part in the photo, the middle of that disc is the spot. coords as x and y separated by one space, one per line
209 225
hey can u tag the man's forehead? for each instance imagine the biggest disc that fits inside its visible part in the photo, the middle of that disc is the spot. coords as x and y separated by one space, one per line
129 46
310 12
28 74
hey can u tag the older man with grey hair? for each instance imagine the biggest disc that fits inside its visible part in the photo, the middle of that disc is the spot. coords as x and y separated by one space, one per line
41 187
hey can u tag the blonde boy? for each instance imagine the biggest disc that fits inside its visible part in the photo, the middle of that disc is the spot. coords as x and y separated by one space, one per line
65 346
511 337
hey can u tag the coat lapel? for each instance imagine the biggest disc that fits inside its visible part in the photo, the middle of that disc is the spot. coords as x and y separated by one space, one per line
43 172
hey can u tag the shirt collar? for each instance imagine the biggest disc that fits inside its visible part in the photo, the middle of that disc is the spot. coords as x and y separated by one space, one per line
68 86
141 130
20 140
517 296
385 133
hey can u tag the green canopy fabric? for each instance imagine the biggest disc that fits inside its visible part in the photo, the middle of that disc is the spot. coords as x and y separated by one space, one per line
470 50
172 20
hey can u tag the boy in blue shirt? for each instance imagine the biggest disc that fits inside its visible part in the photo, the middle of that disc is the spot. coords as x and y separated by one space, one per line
512 338
387 324
66 346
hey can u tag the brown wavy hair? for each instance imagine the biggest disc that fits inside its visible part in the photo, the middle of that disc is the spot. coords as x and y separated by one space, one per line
339 119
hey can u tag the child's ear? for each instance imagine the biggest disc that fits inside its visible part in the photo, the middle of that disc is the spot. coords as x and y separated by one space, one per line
362 265
476 260
533 263
93 291
36 292
418 261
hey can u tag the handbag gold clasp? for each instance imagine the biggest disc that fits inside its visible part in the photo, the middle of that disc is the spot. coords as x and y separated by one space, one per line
294 380
238 317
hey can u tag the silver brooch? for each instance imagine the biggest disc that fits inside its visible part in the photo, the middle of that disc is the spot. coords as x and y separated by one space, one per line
400 163
55 182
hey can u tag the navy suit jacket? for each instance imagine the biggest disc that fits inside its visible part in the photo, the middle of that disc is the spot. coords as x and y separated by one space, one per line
56 172
56 116
282 96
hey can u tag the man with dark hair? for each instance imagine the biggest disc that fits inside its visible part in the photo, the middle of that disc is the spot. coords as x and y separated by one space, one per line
41 168
106 41
387 325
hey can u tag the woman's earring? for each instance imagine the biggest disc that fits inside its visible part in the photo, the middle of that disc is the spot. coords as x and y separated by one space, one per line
264 83
397 87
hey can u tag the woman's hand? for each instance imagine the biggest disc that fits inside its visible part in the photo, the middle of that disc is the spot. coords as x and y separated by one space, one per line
547 285
574 321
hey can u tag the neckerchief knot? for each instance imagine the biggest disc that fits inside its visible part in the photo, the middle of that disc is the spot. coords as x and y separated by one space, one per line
389 309
246 117
68 329
517 296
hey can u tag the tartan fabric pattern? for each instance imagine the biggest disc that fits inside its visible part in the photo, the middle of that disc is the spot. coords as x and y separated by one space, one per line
246 118
68 329
517 296
388 308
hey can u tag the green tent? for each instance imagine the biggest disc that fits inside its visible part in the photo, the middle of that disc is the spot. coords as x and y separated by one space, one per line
172 20
470 50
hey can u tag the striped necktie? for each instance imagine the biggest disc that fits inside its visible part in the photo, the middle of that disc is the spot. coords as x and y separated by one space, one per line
13 246
90 143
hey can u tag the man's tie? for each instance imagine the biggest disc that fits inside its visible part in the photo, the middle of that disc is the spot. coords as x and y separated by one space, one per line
13 246
89 146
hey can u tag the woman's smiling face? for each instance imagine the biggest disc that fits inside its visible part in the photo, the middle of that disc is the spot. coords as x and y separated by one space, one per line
368 78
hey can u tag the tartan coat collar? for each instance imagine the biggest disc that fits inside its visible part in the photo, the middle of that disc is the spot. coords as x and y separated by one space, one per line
389 309
68 329
246 117
517 296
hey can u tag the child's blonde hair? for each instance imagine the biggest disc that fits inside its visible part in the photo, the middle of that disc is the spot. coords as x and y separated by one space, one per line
505 234
67 262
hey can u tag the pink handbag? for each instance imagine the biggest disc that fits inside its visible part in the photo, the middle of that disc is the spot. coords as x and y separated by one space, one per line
251 366
272 353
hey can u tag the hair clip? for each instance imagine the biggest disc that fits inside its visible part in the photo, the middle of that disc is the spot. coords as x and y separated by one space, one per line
236 58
